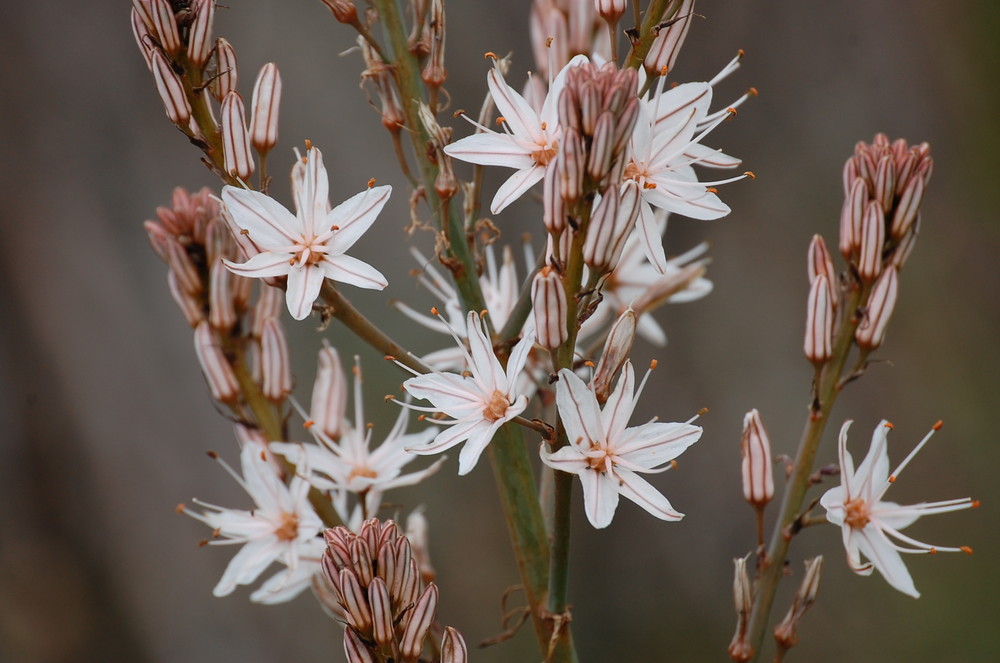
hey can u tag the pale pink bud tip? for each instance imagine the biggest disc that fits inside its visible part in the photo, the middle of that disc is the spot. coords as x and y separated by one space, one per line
755 447
276 373
264 108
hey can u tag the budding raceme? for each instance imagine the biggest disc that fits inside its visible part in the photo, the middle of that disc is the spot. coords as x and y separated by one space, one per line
820 262
818 344
548 308
378 588
755 448
264 109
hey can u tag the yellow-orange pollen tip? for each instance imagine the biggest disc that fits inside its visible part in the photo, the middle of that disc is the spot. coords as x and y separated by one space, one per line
966 549
938 425
309 144
490 55
180 508
309 423
653 364
289 528
371 182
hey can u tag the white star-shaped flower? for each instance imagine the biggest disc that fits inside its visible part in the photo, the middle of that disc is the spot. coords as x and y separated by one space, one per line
282 527
349 464
606 455
479 402
529 142
869 524
310 245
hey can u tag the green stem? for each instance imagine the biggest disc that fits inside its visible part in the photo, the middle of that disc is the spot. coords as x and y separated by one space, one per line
827 389
640 47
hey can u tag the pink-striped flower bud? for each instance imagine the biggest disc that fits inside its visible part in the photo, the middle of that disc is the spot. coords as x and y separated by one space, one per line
420 619
548 307
599 159
270 303
225 79
181 265
755 448
882 300
381 606
329 396
143 9
453 649
171 90
820 262
355 601
235 139
872 242
610 223
819 322
610 10
221 309
617 347
189 305
850 217
275 365
570 166
219 242
142 38
902 251
356 650
264 109
200 34
553 215
907 208
214 366
165 26
159 238
667 44
885 182
591 103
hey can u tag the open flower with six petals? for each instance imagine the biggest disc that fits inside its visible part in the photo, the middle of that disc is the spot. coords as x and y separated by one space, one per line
607 455
310 245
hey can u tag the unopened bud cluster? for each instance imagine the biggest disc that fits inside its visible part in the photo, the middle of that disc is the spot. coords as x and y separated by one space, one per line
189 65
192 237
378 587
884 185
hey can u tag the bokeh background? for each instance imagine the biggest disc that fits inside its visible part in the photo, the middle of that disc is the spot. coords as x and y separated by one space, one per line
106 419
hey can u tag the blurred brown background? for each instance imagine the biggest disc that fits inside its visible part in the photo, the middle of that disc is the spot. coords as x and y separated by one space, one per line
105 416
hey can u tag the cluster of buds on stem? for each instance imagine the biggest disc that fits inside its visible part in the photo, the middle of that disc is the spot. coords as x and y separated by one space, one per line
378 588
884 185
176 42
192 237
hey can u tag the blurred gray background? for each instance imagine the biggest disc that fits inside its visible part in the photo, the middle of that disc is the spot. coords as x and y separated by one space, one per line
106 419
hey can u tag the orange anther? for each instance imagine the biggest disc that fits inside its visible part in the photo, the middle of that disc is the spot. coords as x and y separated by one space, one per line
975 504
369 425
309 144
308 423
653 364
180 508
434 310
203 543
371 182
389 397
490 55
752 175
753 92
741 52
711 189
389 358
892 478
263 455
245 232
702 412
889 425
732 111
212 455
663 70
938 425
500 120
966 549
932 551
548 42
589 363
674 464
544 126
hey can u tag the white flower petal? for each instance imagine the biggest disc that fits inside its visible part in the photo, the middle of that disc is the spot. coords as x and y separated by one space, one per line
348 269
491 149
355 216
268 223
261 265
641 492
304 284
578 410
515 186
600 497
515 110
